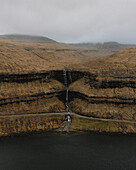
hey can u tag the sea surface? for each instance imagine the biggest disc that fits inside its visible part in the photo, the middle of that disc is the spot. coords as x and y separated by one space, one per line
80 151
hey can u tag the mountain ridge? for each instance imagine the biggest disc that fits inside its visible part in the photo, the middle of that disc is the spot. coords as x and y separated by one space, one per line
22 38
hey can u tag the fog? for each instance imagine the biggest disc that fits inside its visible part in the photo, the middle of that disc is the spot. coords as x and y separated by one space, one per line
71 20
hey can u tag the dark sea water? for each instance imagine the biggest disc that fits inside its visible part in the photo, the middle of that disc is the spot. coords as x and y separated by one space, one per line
82 151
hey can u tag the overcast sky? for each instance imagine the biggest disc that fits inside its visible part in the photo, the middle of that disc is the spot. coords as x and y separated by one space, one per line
71 20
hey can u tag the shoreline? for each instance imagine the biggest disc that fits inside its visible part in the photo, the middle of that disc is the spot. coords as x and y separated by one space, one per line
51 122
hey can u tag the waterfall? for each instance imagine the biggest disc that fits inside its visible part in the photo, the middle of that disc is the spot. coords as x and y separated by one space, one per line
67 77
70 77
67 107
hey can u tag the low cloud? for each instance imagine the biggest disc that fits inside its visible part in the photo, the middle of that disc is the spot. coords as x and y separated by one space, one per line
71 20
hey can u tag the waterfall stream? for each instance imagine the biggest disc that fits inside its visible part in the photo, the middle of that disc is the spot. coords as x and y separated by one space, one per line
67 77
70 77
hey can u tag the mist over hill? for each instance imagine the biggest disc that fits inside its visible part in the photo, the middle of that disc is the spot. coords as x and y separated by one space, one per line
61 52
110 46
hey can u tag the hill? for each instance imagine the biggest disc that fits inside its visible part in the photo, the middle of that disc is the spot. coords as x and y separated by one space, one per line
121 63
26 39
28 57
110 47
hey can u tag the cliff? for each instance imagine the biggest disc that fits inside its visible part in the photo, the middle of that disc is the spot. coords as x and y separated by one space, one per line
108 89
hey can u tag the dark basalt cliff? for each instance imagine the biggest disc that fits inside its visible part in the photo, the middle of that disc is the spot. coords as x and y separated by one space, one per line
31 93
34 92
90 95
110 99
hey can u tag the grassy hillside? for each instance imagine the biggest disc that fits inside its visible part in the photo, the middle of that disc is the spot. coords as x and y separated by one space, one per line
24 58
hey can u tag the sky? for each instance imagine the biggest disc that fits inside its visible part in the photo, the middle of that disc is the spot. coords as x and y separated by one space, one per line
71 21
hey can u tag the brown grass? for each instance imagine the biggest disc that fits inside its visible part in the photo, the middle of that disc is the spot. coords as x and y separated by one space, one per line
24 58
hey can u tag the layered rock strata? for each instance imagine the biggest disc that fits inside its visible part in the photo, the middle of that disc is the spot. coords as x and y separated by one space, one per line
110 99
108 90
90 95
31 93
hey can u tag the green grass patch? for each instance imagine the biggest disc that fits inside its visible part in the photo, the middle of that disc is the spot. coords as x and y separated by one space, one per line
93 125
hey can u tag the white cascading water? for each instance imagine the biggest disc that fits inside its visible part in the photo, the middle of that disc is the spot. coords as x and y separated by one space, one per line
67 74
70 77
